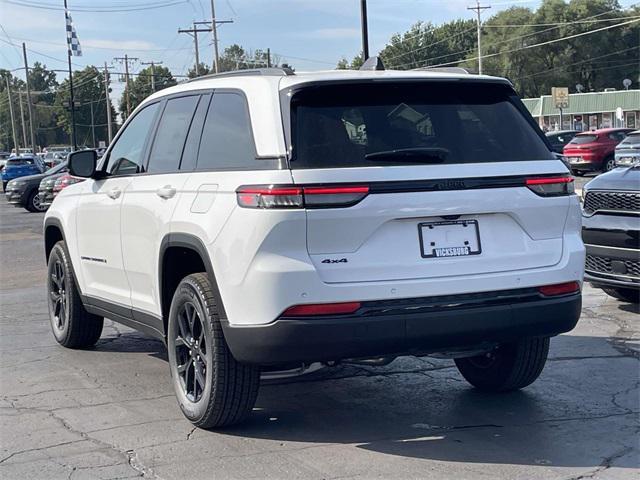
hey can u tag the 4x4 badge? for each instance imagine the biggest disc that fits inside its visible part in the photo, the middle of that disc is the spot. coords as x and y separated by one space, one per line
335 260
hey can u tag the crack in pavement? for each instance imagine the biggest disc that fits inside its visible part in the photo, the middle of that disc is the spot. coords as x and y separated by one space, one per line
606 463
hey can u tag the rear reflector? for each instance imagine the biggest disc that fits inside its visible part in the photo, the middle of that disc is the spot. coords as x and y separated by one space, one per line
272 196
321 309
551 186
559 289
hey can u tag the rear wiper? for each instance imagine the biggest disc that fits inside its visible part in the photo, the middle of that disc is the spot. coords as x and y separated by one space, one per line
416 154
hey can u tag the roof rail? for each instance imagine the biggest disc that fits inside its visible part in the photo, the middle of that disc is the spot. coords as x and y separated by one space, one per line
274 72
460 70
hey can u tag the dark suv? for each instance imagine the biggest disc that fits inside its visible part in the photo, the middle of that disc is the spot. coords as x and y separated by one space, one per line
611 232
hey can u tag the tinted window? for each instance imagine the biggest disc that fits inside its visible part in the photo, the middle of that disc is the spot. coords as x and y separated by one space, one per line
617 136
227 141
171 134
127 154
20 161
632 139
580 139
410 123
190 152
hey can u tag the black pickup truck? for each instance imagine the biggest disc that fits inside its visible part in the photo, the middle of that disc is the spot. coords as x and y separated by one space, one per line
611 232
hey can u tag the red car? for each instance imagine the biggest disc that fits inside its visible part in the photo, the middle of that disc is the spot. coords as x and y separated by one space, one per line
593 151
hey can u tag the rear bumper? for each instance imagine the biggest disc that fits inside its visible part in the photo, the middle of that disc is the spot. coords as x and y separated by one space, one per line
413 326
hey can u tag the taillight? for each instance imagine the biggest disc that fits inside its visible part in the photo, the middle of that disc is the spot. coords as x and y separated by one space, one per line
551 186
272 196
559 289
265 196
311 310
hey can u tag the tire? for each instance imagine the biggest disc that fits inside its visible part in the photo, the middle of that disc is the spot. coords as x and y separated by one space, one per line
624 294
579 173
510 366
72 325
33 202
608 164
198 353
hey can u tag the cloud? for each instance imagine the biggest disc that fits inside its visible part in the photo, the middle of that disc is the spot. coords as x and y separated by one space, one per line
331 33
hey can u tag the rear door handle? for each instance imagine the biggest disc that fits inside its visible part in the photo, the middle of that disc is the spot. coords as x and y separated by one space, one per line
114 192
166 192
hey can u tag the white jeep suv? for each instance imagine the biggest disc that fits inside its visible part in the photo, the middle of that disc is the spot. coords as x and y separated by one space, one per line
264 220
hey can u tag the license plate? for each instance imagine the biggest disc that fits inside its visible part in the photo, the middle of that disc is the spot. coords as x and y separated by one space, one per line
575 159
457 238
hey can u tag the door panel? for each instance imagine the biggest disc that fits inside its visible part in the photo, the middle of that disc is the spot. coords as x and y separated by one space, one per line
146 217
98 239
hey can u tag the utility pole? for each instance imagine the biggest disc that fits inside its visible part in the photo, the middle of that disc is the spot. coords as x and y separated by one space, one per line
106 96
93 126
29 103
194 33
365 30
13 121
214 29
268 58
126 59
24 129
479 9
153 73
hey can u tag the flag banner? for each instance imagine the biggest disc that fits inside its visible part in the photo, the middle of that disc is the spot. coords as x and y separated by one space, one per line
73 44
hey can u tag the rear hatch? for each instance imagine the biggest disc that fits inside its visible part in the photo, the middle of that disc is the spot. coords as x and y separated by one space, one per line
436 177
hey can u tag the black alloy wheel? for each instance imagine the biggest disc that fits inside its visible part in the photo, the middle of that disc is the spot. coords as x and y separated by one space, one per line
191 352
58 296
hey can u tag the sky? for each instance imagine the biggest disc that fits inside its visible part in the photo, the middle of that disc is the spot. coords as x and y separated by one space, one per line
308 34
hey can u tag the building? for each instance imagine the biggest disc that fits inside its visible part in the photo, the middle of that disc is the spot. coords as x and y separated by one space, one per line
588 111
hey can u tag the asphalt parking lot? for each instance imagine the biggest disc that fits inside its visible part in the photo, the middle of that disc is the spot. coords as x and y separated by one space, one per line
110 412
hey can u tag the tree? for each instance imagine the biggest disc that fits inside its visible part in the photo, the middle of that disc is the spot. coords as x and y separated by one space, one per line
140 87
6 134
88 89
597 60
203 69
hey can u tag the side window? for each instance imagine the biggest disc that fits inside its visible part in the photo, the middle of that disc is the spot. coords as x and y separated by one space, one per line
190 152
171 134
127 154
227 141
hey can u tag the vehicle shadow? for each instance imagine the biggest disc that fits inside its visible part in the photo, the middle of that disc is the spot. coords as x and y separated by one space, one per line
422 408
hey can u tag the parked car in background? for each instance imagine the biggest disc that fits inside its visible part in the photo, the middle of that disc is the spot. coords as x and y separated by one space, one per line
627 152
4 156
63 181
594 151
24 191
45 190
21 167
51 159
611 232
559 139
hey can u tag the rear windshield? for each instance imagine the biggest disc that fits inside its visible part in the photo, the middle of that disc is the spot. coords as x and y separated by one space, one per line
14 162
631 139
580 139
356 125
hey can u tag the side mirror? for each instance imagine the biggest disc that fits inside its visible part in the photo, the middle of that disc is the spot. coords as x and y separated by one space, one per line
83 163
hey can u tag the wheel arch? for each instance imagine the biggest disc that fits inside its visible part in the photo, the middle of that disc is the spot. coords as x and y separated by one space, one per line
53 233
176 246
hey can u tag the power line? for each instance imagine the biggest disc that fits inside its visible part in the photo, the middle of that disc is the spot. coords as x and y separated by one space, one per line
527 47
562 67
105 9
512 39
